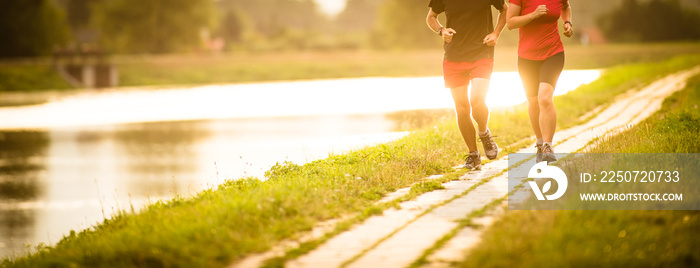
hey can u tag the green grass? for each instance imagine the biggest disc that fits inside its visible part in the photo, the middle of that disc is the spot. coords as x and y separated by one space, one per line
673 129
415 190
604 56
239 68
625 77
248 215
608 238
30 78
246 67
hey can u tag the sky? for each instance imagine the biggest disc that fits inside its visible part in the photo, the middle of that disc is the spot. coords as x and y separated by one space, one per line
331 7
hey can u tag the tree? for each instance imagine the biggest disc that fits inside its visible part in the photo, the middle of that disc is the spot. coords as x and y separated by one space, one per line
79 14
31 28
359 15
401 24
651 21
272 24
152 26
273 17
233 25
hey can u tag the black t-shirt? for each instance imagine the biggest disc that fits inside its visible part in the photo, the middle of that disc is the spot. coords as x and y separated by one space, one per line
472 20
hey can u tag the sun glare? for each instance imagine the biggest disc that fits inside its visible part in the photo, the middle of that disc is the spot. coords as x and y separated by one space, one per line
302 98
331 7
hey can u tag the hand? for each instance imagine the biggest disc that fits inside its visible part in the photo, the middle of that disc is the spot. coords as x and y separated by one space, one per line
540 11
568 30
447 34
491 39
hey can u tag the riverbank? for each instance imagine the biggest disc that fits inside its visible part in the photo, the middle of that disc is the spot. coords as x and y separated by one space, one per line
643 238
242 68
249 215
30 78
436 228
160 70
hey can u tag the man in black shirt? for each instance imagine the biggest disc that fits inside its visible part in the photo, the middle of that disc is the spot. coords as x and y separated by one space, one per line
469 40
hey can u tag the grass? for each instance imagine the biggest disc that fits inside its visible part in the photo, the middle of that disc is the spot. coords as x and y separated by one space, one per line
642 238
673 129
241 68
193 69
30 78
248 215
415 190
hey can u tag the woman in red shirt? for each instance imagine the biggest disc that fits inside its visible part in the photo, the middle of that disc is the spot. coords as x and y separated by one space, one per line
540 62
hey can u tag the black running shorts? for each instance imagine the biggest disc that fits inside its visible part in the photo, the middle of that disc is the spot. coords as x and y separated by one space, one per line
534 72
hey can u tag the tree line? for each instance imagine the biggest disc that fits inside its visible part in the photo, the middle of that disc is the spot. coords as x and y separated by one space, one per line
652 21
38 27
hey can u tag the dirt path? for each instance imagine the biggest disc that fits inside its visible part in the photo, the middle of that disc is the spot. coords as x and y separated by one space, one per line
400 236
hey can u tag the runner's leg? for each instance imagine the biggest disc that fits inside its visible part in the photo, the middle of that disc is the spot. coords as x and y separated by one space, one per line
464 119
480 74
548 115
480 86
480 111
549 75
533 107
529 74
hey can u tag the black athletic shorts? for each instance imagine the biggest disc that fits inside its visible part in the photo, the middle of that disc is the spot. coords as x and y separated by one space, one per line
534 72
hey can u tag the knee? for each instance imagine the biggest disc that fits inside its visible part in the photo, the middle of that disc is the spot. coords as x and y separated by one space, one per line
478 94
533 103
463 108
477 101
545 102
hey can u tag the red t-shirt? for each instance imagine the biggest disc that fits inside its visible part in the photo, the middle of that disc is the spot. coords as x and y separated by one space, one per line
540 39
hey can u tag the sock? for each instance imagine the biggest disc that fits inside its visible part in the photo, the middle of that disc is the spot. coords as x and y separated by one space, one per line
474 152
540 141
485 132
548 142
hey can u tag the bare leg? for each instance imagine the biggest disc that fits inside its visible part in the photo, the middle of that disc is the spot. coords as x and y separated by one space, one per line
548 115
464 120
480 111
534 110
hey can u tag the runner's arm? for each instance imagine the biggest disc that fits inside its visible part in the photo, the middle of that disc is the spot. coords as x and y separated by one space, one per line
492 38
435 26
566 16
502 15
517 20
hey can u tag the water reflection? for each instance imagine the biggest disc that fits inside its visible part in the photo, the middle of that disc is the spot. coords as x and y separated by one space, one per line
16 230
21 163
418 119
65 179
155 152
21 166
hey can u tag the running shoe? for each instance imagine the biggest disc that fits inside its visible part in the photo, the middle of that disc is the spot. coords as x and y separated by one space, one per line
539 153
473 161
490 146
548 153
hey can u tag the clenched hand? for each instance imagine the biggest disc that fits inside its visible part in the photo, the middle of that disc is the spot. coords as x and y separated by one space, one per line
447 34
